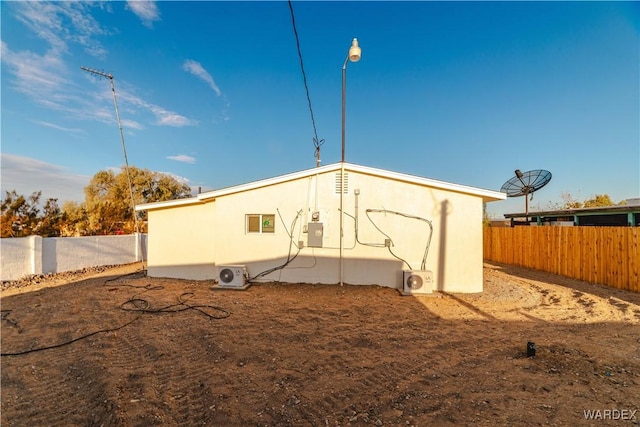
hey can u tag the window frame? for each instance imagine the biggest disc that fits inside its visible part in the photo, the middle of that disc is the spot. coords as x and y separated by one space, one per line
250 228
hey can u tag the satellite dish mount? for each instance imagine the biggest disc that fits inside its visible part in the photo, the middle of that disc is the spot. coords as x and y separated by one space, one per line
525 184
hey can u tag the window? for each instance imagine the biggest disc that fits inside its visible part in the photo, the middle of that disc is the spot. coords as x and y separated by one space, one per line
261 223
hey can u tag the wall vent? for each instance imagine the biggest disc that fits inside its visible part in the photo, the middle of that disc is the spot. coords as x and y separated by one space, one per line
340 183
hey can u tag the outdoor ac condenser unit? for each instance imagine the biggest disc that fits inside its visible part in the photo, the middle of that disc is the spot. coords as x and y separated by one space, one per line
416 282
232 277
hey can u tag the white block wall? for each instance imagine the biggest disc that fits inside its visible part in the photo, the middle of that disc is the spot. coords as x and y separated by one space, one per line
25 256
16 256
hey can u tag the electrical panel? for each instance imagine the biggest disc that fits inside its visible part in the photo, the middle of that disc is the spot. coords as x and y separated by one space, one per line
315 234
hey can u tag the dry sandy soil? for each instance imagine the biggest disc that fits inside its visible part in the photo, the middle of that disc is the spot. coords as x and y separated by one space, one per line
112 348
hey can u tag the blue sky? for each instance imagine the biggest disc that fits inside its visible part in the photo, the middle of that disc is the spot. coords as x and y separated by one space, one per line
212 92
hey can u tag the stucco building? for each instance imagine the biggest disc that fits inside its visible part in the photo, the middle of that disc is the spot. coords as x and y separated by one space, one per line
287 229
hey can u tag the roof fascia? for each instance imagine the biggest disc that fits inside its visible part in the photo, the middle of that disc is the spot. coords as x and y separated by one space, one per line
167 204
267 182
486 195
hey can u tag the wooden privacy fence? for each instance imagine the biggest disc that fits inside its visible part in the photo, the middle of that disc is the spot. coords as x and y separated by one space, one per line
604 255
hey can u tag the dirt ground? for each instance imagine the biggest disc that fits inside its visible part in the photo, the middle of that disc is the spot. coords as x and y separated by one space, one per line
112 348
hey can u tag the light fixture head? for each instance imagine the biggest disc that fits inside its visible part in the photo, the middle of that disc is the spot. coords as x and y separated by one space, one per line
354 51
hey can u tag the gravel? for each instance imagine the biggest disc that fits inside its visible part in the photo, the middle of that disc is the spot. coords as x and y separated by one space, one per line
65 276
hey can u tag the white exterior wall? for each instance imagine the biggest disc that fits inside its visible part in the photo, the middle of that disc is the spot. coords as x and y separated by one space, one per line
216 233
455 252
17 256
36 255
261 252
182 242
74 253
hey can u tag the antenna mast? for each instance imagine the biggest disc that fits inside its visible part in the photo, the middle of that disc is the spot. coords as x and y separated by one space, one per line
124 149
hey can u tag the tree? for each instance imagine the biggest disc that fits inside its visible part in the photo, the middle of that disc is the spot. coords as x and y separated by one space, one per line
49 223
485 216
19 214
599 200
74 220
106 209
568 202
108 200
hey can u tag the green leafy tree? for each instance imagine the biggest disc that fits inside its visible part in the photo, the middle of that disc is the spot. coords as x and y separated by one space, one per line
51 220
599 200
74 221
486 221
108 199
569 202
19 214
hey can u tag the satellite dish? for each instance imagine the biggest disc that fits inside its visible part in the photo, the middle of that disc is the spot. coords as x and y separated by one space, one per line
526 183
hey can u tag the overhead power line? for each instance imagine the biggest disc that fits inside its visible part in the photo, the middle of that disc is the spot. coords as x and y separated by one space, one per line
316 142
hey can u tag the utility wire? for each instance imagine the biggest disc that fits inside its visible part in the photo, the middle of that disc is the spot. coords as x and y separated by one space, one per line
316 142
290 257
134 304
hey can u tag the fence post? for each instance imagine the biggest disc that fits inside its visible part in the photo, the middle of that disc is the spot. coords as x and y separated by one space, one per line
138 243
35 249
140 246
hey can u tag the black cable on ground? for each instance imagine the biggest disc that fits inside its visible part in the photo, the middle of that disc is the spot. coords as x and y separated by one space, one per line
139 305
50 347
122 276
142 306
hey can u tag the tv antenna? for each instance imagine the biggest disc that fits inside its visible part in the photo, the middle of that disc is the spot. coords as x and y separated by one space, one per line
124 149
525 184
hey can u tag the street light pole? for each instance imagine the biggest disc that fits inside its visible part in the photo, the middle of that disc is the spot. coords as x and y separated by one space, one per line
354 55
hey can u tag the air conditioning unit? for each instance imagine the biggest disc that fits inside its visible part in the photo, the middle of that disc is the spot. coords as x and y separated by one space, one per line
232 277
416 282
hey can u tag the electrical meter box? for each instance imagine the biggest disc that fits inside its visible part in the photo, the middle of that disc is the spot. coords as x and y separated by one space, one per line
315 233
